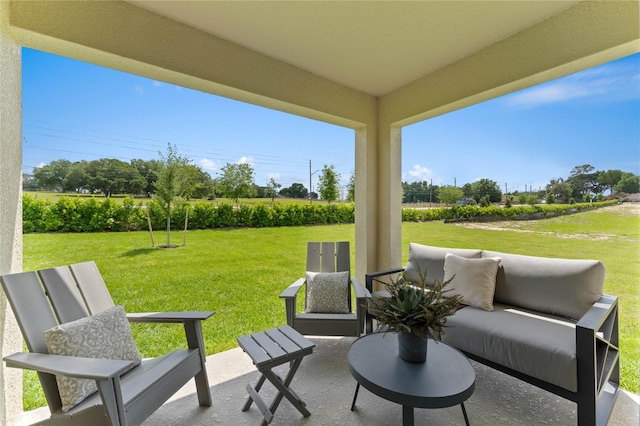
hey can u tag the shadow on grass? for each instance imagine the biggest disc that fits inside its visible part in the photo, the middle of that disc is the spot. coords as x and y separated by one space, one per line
138 252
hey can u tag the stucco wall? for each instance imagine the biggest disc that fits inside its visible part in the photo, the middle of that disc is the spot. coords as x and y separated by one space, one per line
10 214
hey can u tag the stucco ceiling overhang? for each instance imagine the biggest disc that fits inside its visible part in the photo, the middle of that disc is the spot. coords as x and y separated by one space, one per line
375 47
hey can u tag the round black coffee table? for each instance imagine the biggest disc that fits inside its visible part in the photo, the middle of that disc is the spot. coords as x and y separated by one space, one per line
446 379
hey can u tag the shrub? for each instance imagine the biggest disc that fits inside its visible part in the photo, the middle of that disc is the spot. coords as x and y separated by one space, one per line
261 216
225 216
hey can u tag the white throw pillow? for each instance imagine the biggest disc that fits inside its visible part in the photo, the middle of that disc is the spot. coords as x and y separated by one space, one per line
106 334
328 292
474 279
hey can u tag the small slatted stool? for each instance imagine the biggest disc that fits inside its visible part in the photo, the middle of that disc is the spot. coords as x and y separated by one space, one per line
267 350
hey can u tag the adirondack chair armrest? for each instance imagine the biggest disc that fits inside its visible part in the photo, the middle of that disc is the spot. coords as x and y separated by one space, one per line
291 291
169 317
73 366
360 291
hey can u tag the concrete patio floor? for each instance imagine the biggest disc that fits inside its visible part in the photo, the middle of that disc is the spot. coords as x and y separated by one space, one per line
325 384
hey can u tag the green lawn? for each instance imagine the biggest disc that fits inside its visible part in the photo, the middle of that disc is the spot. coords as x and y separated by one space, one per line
240 273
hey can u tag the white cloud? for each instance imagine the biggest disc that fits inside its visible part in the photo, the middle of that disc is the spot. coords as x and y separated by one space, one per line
247 160
602 83
139 89
274 176
209 165
157 84
552 93
418 174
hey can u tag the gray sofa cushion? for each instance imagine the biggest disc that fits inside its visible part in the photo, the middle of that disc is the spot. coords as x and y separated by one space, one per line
565 287
520 340
421 256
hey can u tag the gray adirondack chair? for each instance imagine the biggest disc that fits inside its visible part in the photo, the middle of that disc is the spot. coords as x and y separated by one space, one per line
57 295
327 257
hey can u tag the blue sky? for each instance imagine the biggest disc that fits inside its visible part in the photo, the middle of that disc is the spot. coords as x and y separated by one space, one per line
79 111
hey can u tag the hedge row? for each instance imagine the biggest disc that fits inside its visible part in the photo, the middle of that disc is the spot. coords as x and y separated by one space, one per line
457 213
95 215
69 214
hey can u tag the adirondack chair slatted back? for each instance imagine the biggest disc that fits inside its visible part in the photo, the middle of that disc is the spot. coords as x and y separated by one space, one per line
329 257
63 294
34 315
59 295
92 286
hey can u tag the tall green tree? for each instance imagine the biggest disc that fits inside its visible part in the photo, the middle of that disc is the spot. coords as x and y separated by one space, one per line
171 182
609 178
351 188
236 180
296 190
328 183
112 176
629 184
149 170
449 194
559 190
51 176
583 180
77 177
486 187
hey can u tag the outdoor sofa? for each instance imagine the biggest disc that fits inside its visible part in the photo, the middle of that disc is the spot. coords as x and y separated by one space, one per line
541 320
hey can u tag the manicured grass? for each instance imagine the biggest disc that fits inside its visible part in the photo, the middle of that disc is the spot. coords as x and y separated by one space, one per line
240 273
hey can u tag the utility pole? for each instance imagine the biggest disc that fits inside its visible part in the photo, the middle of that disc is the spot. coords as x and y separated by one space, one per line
310 201
430 191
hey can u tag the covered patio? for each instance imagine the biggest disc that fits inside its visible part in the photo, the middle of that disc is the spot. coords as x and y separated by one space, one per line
373 67
324 383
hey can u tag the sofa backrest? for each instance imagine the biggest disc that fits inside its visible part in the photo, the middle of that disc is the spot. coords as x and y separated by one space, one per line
565 287
432 258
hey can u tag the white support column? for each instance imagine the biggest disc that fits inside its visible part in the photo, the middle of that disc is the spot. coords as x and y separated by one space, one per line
10 211
366 201
389 224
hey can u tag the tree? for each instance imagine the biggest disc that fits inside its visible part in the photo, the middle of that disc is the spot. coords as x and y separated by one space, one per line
170 182
559 190
112 176
296 190
52 176
196 183
629 184
449 194
608 179
149 170
486 187
328 183
351 188
583 180
272 188
77 177
236 180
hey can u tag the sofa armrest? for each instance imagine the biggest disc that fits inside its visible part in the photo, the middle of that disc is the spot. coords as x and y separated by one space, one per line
597 352
371 277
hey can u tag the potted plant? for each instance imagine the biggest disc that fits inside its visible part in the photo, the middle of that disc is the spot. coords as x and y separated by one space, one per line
416 312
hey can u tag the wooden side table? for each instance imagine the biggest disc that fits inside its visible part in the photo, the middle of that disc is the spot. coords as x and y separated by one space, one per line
267 350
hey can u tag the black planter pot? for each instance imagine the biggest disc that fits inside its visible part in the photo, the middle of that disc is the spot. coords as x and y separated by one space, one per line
412 348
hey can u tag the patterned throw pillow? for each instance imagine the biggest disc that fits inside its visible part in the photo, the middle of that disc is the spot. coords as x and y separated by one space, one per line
327 292
104 335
